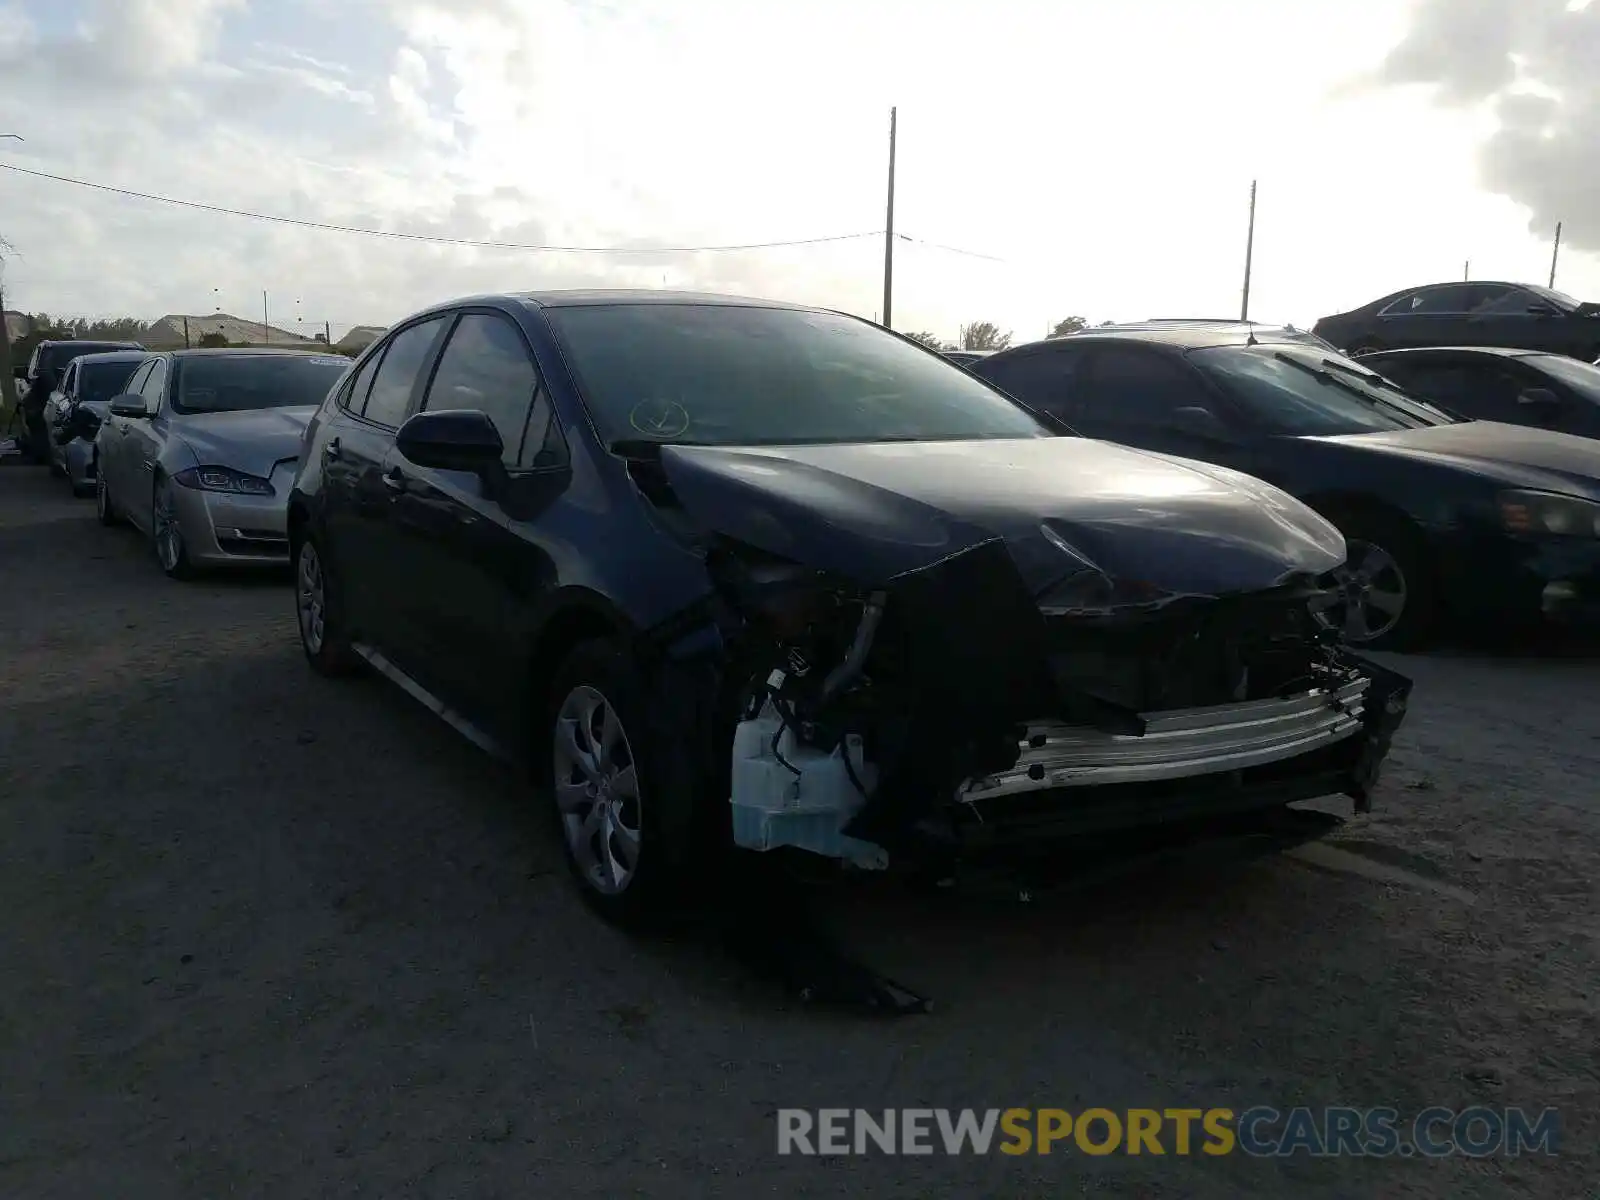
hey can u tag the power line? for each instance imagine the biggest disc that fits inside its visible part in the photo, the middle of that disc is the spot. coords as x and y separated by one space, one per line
432 238
916 241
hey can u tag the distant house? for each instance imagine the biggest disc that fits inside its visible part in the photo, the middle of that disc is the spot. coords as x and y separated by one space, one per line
168 332
359 338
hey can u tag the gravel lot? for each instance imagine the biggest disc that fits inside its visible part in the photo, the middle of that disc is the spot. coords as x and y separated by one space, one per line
268 935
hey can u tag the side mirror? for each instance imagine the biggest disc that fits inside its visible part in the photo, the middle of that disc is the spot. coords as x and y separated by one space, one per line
128 405
1541 403
452 440
1201 421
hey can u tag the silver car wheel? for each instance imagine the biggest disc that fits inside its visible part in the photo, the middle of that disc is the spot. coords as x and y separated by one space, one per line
1368 596
313 602
597 790
164 525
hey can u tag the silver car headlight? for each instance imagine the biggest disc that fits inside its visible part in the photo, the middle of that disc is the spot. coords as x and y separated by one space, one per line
1523 511
223 479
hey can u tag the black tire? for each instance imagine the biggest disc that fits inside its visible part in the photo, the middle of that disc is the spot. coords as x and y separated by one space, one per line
104 508
328 651
672 851
173 565
1406 549
1364 347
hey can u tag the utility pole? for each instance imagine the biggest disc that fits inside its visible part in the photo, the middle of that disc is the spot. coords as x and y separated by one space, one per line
327 332
1554 254
888 231
1466 270
8 382
1249 256
186 333
266 333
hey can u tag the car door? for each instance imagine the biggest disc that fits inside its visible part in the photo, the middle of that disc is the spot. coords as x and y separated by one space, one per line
452 529
112 443
1431 316
142 441
1147 396
358 502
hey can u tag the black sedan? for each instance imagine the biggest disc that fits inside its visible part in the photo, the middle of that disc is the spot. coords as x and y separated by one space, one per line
722 570
1518 387
1474 519
1521 316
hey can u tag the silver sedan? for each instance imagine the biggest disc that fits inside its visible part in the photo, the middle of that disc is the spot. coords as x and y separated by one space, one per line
199 452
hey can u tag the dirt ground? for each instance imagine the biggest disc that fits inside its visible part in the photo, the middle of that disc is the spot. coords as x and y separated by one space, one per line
266 935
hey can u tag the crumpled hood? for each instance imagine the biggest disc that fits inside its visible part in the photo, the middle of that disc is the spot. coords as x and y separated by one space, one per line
873 511
1516 455
252 440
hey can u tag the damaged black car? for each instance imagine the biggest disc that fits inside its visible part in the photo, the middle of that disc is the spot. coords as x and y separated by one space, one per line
741 576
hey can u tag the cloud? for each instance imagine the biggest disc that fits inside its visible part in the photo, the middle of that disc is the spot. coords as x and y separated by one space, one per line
1531 65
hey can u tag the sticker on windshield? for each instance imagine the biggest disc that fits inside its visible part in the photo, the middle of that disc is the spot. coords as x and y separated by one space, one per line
327 360
659 418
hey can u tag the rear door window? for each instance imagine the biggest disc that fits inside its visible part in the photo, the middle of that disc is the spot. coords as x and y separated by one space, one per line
407 356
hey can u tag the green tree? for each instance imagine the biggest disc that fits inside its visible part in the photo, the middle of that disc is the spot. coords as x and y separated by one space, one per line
1069 325
213 340
984 335
931 340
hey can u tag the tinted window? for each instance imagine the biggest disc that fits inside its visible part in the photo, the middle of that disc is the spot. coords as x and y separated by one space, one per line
1042 380
1581 377
135 384
1138 387
101 381
1292 390
390 397
355 397
232 382
1478 391
486 366
70 379
1452 299
154 384
732 375
1488 298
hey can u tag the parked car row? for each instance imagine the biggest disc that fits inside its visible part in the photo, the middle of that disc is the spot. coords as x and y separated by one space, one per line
734 577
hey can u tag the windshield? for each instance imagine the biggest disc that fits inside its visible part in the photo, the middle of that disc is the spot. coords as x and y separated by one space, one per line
229 382
101 381
1579 376
1308 393
716 374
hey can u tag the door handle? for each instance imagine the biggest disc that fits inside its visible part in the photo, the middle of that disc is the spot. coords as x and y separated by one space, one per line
394 480
331 449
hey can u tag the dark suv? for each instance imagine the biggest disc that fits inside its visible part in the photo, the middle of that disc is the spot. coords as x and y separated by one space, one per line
725 570
42 376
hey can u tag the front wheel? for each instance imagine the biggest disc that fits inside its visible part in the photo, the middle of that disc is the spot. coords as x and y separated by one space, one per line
166 530
104 509
1361 348
1383 597
621 789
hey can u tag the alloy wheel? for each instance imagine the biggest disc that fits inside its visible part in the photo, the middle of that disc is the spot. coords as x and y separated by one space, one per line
168 534
312 596
1368 594
597 791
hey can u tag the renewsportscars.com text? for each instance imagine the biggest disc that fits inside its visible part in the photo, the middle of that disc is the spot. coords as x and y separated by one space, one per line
1263 1132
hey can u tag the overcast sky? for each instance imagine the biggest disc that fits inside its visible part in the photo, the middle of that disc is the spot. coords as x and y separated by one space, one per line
1102 152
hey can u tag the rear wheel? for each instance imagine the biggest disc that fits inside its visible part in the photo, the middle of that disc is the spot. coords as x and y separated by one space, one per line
319 615
621 789
1384 596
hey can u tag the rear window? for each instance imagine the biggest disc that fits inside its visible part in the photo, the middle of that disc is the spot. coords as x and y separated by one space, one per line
230 383
62 353
101 381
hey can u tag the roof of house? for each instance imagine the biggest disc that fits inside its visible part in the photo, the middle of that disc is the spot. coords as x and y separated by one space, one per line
235 329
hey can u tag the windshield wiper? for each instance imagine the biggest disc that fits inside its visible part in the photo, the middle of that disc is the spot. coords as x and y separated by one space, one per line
1326 374
1381 381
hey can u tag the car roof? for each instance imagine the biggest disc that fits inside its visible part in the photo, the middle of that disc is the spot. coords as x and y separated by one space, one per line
112 356
1487 351
254 352
1183 336
52 343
